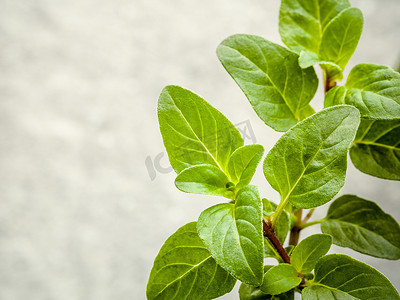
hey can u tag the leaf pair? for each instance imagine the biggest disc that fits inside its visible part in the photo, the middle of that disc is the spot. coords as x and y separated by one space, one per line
281 279
324 32
336 276
375 91
203 146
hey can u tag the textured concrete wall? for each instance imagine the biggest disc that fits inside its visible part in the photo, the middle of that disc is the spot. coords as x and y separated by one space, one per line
80 217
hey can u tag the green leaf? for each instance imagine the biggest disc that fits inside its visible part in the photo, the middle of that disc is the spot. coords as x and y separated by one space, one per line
234 235
309 251
308 59
302 22
205 179
250 292
376 149
243 164
185 269
341 36
339 276
363 226
277 88
373 89
307 166
194 132
280 279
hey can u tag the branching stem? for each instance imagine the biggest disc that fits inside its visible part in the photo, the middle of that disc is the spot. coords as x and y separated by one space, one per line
270 234
305 225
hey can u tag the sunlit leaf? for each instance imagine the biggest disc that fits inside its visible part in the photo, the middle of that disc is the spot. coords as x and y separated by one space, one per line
234 235
307 166
185 269
277 87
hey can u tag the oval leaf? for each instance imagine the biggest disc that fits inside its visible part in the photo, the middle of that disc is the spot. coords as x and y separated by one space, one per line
193 131
302 22
340 39
234 235
307 166
250 292
277 88
306 254
376 149
373 89
243 164
280 279
361 225
205 179
185 269
339 276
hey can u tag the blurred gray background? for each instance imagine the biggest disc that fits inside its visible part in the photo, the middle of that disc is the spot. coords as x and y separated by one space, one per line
86 199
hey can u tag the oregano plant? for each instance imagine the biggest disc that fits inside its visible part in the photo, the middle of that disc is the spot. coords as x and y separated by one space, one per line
307 167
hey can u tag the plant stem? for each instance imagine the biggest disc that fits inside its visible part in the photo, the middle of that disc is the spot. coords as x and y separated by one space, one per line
295 231
308 216
329 83
270 234
305 225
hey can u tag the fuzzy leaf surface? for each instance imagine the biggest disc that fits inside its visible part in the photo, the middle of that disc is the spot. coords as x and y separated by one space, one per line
302 22
250 292
243 164
204 179
184 268
376 148
339 276
193 131
307 165
340 39
277 87
363 226
373 89
280 279
234 235
306 254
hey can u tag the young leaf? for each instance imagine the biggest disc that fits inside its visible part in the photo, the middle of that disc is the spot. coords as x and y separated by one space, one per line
280 279
234 235
340 39
277 88
204 179
339 276
361 225
302 22
185 269
250 292
373 89
307 166
376 148
308 59
193 131
306 254
243 163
